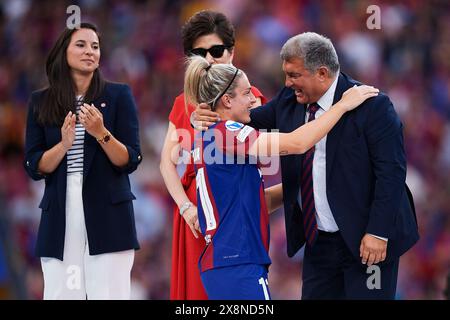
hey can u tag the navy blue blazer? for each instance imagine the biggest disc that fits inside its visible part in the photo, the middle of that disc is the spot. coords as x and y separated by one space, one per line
107 196
365 171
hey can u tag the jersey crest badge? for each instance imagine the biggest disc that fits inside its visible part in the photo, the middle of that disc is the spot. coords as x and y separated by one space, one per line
233 125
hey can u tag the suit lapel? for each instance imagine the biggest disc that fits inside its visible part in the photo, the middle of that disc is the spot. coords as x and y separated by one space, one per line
297 121
299 115
334 135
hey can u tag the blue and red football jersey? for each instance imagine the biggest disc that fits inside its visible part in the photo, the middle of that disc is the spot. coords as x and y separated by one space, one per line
232 211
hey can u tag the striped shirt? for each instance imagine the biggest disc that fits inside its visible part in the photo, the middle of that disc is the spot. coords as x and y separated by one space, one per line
75 155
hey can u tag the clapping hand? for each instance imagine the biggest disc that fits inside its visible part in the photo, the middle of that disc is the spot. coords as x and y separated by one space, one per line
68 131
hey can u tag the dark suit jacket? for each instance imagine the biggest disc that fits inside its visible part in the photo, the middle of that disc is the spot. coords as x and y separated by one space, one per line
365 171
107 196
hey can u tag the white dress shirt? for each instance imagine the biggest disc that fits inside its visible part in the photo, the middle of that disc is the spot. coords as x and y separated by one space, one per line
324 217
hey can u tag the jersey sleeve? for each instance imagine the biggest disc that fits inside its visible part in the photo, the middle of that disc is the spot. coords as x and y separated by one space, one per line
235 138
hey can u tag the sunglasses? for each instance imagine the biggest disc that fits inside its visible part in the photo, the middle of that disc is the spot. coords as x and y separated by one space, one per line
215 51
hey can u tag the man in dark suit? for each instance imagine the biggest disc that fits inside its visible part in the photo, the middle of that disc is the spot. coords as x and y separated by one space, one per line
346 198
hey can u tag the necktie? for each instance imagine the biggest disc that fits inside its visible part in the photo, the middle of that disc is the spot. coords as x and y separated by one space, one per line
307 191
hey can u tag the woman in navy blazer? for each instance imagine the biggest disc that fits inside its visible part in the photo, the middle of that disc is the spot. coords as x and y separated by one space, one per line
82 137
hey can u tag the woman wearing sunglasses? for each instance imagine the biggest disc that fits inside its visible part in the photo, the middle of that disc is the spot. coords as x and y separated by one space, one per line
211 35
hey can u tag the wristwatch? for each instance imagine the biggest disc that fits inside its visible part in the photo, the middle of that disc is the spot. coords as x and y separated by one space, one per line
106 137
185 206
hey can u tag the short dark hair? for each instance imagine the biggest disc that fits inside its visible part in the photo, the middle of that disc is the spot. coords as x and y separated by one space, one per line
207 22
59 98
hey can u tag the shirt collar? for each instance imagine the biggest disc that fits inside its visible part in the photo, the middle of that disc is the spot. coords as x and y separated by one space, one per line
326 101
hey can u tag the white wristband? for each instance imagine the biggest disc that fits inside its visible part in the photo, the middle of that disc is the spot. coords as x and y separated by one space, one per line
185 206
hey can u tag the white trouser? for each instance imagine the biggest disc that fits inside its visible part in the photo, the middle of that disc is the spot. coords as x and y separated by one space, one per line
80 275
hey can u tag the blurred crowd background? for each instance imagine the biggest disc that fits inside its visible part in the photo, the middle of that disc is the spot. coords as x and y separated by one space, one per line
409 58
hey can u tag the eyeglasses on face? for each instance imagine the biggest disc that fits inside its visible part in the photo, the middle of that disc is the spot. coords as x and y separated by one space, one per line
215 51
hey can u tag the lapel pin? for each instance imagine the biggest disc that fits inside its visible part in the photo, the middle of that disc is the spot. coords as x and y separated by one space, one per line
103 105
